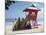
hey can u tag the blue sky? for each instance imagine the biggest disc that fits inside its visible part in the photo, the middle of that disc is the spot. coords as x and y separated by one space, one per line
16 10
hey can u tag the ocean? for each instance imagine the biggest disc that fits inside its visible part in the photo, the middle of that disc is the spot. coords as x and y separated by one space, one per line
8 22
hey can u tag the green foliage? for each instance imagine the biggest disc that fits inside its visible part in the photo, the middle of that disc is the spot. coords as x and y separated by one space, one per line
8 3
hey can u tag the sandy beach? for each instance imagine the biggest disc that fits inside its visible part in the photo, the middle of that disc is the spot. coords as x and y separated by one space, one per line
35 30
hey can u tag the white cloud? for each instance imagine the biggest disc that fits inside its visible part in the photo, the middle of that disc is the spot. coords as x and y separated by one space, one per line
40 14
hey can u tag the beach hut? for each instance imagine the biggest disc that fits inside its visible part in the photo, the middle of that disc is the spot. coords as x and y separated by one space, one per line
32 16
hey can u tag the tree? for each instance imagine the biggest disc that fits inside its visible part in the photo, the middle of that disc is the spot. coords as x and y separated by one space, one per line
8 3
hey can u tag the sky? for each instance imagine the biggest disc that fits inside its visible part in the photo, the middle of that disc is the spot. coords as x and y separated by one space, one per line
16 10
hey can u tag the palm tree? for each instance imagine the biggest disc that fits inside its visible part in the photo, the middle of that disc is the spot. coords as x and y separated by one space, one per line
8 3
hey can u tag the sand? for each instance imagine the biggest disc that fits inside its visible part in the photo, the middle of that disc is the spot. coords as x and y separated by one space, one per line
34 30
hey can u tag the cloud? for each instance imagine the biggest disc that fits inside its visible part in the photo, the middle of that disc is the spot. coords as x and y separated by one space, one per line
40 14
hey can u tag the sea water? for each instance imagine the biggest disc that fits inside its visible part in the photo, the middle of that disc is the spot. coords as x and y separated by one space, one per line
8 22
